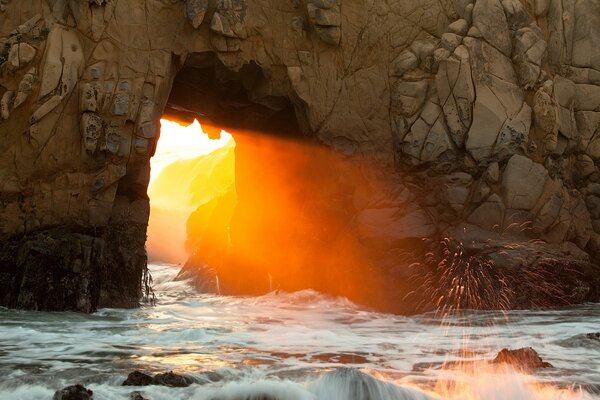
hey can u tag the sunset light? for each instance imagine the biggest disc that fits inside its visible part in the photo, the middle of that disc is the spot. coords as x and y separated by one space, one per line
178 142
188 170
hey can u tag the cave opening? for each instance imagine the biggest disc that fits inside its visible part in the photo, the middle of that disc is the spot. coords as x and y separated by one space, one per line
231 185
288 222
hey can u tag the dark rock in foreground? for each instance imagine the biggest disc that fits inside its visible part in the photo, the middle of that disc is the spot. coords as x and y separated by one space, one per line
75 392
524 359
137 396
170 379
593 336
173 380
137 378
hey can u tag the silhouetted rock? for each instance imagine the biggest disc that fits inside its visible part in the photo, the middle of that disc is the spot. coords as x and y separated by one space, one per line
525 358
75 392
138 378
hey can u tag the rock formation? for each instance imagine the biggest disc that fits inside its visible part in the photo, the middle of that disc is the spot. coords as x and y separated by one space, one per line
473 120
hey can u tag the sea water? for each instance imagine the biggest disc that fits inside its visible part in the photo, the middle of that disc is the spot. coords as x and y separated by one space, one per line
286 345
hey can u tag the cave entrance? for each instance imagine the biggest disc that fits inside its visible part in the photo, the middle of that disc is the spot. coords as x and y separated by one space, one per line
198 172
288 222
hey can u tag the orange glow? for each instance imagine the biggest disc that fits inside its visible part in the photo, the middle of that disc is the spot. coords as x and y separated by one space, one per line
183 177
481 380
292 214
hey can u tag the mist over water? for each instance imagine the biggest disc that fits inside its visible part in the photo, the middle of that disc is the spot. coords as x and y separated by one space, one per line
283 345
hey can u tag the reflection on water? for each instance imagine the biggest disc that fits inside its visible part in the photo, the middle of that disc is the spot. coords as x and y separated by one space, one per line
284 343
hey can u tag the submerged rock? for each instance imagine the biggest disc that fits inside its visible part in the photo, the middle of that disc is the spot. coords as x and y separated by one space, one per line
586 340
75 392
525 358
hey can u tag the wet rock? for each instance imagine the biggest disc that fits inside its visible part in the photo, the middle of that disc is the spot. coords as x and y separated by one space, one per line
525 358
137 396
586 340
593 336
75 392
138 378
172 379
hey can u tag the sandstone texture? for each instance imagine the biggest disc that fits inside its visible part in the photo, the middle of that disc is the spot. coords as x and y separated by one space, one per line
465 135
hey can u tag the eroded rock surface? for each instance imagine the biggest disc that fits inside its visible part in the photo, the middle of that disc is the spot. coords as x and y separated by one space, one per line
484 111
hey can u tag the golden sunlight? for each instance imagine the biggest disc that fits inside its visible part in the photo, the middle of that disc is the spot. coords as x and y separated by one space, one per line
188 169
178 142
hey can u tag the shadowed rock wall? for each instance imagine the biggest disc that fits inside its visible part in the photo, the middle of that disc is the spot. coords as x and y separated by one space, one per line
483 115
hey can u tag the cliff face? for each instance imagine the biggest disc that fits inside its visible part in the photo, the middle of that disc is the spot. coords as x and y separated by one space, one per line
480 118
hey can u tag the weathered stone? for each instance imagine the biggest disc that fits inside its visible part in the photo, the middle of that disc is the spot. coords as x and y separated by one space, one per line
391 225
329 34
498 106
528 54
490 214
91 130
492 174
489 18
584 166
545 109
6 104
409 96
324 17
120 104
459 27
451 41
593 205
91 97
587 97
196 10
25 87
523 183
405 62
20 55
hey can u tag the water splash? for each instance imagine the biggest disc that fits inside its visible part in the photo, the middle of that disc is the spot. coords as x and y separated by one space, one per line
284 346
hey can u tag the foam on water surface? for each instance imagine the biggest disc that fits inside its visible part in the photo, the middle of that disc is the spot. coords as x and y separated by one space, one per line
285 345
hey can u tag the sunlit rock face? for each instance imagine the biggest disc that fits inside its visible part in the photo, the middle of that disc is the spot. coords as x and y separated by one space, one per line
476 121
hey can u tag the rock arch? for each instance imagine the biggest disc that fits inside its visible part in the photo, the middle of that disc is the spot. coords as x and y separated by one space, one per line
481 117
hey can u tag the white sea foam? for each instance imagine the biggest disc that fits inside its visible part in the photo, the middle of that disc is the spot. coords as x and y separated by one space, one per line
283 345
